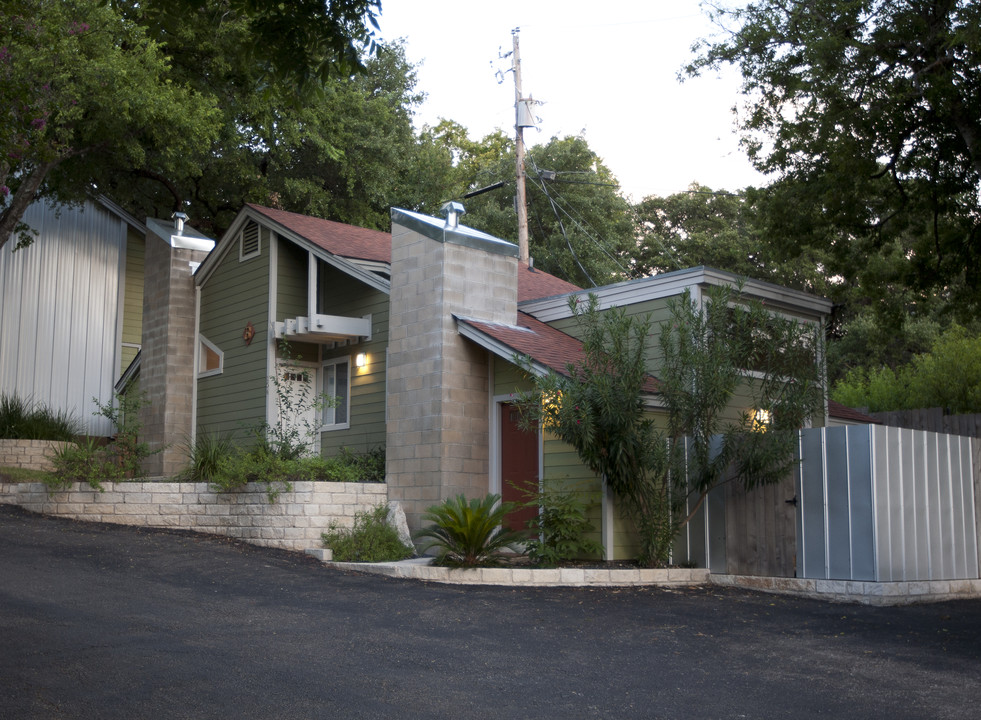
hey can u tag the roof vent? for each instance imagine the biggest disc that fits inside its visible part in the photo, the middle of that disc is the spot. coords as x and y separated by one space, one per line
179 220
452 210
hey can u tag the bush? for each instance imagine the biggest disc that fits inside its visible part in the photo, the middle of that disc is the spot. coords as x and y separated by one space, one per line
560 531
93 461
470 533
209 454
22 419
371 539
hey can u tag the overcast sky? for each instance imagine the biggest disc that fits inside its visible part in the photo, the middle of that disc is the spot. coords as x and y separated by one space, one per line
608 70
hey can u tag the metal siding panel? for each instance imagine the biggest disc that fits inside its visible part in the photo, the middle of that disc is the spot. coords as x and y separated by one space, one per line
947 551
812 547
908 514
968 508
861 503
837 517
922 507
888 553
798 514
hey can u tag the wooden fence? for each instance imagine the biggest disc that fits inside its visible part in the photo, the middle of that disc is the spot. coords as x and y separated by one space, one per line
932 420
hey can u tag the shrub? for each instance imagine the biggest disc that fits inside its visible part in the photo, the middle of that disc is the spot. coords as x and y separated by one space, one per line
22 419
470 533
560 531
209 454
371 539
93 462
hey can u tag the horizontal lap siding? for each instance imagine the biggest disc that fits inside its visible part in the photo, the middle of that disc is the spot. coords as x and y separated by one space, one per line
133 297
236 294
350 298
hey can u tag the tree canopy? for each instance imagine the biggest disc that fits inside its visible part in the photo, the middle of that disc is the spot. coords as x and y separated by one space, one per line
160 104
580 227
871 110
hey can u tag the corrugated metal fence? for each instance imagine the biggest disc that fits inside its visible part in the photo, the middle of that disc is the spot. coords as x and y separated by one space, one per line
886 504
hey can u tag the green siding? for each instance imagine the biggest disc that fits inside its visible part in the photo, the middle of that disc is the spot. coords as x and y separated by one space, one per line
236 293
133 297
291 282
343 295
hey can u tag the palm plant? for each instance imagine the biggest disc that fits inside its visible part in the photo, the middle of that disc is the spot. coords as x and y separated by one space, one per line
470 533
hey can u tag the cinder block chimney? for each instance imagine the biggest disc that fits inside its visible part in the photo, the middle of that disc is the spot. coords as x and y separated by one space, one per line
438 400
173 252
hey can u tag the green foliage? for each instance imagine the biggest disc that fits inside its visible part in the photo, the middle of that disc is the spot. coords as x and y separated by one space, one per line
369 466
469 533
87 95
707 351
22 419
91 461
372 539
560 530
871 112
580 228
948 376
209 456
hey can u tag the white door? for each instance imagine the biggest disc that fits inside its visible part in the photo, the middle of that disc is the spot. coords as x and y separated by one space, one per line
295 396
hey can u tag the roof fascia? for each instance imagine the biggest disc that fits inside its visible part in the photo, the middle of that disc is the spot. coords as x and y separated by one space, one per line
122 214
675 283
495 346
349 267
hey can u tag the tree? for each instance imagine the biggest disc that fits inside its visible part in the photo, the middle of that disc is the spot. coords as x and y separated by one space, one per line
712 352
84 93
580 228
160 104
872 108
724 230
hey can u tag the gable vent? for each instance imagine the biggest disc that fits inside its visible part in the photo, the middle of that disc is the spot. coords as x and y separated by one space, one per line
249 245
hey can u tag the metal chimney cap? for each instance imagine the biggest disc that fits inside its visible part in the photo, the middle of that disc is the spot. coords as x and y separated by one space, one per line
452 210
179 219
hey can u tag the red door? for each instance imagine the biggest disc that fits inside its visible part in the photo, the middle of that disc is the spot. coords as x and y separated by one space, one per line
519 466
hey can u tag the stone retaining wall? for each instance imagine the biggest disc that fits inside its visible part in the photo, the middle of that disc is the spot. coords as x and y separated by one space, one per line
29 454
866 593
293 522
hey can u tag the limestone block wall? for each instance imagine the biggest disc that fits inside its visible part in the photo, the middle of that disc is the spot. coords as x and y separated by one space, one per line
29 454
293 522
437 439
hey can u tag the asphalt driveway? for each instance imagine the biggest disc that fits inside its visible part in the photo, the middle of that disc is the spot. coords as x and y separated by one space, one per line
102 621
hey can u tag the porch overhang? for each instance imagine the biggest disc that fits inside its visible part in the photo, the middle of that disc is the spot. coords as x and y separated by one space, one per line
321 329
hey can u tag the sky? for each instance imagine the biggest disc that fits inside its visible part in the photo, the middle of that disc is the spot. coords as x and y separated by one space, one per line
605 70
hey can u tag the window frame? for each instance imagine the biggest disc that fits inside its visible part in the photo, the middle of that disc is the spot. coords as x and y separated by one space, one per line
328 372
205 343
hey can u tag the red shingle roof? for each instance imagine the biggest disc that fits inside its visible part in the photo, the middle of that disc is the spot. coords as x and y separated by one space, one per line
535 284
843 412
336 238
542 343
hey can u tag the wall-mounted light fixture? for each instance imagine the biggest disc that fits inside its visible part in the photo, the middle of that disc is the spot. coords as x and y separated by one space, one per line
761 419
361 360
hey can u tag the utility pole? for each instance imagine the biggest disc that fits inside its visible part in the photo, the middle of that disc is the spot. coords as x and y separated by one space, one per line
519 142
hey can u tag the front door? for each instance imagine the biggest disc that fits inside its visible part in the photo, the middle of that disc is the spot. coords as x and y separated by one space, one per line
519 467
295 396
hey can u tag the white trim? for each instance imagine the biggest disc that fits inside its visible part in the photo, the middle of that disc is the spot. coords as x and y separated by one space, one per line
313 287
271 366
242 254
202 340
331 363
194 373
674 283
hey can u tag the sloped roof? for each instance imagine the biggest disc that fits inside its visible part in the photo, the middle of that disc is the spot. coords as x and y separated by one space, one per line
336 238
535 284
546 346
843 412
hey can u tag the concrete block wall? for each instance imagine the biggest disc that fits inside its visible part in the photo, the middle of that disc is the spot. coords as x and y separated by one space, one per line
437 436
293 522
167 356
29 454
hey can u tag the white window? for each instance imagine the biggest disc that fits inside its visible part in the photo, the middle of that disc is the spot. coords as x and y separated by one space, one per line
211 360
249 241
337 388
